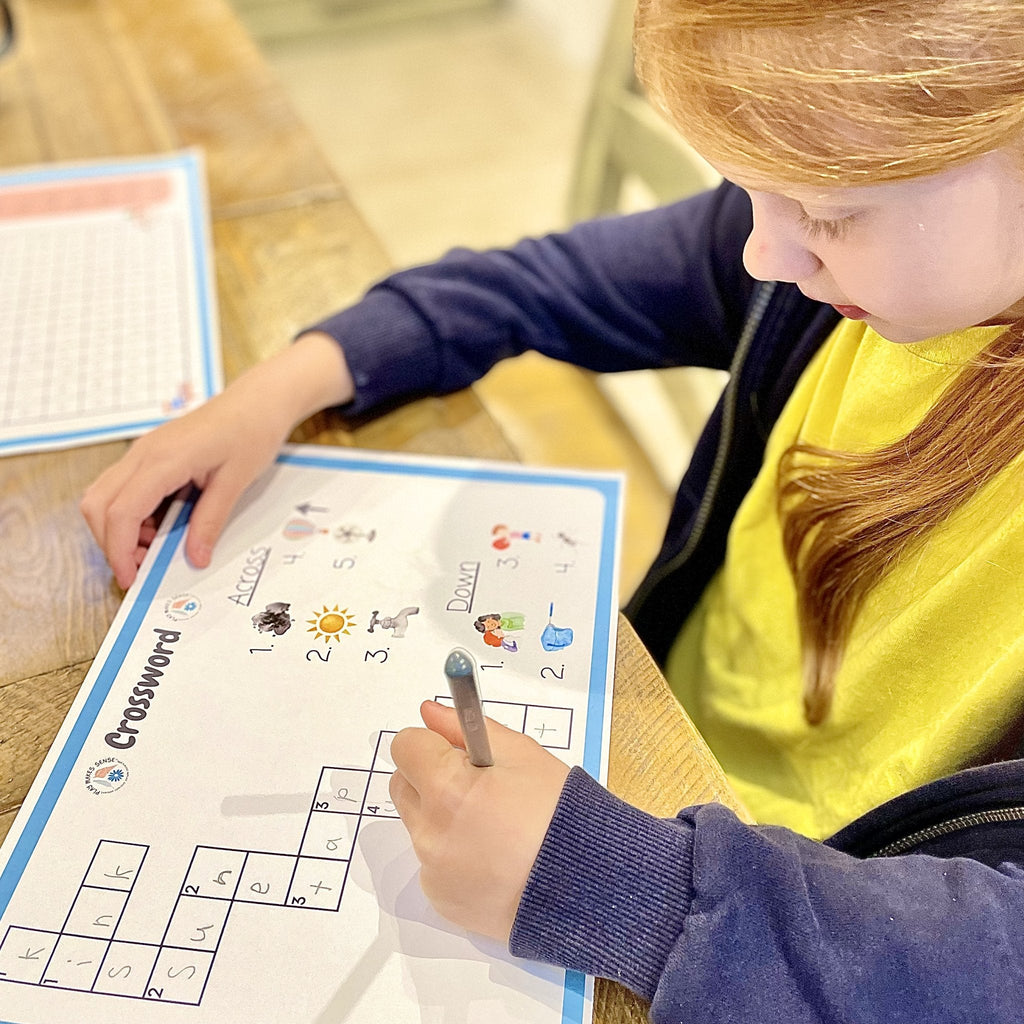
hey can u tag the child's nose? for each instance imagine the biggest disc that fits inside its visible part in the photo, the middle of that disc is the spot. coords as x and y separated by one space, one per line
776 249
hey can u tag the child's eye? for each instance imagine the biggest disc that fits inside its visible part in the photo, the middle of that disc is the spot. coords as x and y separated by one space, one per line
831 229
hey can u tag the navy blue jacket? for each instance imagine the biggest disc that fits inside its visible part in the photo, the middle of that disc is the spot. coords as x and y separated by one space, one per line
915 912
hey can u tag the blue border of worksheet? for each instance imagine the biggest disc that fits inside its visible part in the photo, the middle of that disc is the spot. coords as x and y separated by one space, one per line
190 161
609 487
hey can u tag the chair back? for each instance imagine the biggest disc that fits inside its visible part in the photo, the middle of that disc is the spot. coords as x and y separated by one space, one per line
625 140
6 27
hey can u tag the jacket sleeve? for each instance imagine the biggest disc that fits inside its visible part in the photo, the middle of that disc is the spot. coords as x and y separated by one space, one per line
714 920
663 287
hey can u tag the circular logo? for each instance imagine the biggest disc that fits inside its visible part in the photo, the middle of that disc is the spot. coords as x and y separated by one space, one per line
182 606
106 776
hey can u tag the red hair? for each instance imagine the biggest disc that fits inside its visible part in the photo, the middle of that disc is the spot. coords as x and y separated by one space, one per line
846 93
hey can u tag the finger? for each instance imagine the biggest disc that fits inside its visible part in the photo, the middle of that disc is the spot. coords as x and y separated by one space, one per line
147 531
147 534
419 755
97 497
125 556
404 797
219 497
124 517
443 720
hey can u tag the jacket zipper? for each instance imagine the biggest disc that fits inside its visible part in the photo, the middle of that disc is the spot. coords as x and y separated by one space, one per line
944 828
746 340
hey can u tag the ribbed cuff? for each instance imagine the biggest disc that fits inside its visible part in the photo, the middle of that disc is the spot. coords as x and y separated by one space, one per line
610 889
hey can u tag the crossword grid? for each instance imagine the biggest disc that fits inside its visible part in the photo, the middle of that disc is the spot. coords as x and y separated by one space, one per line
95 310
550 726
87 956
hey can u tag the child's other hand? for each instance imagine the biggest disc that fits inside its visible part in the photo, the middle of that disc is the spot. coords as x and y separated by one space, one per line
476 831
221 447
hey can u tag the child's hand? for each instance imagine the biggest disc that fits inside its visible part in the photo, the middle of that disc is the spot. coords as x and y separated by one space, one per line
476 831
221 447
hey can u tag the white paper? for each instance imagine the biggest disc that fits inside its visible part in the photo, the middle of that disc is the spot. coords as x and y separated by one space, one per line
109 322
210 838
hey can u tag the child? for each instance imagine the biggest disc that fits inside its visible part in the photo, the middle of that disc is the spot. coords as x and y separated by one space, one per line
838 598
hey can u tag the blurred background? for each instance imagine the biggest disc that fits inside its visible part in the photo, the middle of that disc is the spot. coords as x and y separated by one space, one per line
453 122
476 122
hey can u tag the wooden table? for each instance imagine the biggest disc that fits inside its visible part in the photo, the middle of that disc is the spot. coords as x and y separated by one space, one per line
103 78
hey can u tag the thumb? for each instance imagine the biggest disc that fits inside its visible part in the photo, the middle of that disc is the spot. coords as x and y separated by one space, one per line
444 721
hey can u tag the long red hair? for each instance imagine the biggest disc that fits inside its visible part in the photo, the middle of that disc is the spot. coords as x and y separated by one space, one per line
847 518
847 93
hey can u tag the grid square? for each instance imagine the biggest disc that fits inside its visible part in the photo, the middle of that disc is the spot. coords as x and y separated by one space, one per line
378 799
196 923
126 969
179 976
550 727
340 790
265 878
75 962
25 952
96 912
214 872
115 865
330 835
318 883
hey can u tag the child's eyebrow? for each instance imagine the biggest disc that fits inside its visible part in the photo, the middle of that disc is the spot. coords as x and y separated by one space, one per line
829 209
831 205
802 195
828 204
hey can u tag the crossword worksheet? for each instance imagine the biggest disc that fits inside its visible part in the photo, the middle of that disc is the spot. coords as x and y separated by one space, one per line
109 322
211 837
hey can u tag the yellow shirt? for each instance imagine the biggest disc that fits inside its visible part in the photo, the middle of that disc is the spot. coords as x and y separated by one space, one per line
934 669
